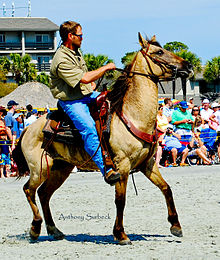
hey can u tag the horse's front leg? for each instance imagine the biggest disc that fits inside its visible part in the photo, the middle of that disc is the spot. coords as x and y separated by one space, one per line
120 195
152 172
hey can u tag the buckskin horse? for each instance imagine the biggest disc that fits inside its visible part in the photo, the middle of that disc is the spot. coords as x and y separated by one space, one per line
133 141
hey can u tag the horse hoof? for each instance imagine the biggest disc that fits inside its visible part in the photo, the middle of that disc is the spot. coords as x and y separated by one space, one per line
34 236
125 242
55 232
176 231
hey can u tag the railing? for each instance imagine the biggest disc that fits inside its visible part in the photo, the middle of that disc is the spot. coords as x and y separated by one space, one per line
38 46
42 67
10 46
28 46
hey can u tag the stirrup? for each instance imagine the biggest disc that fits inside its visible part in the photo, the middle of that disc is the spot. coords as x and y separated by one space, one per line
112 177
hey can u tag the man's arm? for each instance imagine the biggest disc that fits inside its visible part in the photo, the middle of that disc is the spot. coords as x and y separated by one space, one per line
91 76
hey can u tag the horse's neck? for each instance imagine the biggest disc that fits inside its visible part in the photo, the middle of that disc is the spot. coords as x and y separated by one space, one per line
141 99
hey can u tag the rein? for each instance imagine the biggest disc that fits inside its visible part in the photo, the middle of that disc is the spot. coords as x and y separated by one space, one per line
152 76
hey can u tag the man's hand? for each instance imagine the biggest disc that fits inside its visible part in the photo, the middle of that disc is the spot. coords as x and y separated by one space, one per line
110 66
93 85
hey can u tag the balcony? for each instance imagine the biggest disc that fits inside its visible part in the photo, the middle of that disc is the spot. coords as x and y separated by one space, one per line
10 46
38 46
41 67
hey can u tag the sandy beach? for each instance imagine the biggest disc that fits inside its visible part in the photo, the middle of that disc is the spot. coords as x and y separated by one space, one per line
83 209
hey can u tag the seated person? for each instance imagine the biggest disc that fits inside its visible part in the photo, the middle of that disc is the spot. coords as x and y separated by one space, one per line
162 124
182 119
174 146
197 147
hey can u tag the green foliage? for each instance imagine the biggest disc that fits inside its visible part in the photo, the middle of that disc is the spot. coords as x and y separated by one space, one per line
7 88
22 69
192 59
212 70
43 78
128 58
175 46
94 62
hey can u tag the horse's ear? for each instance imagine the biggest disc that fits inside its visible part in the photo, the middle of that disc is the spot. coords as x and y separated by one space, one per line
142 41
153 39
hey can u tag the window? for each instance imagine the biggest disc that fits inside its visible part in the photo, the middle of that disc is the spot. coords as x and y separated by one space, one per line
2 38
42 38
43 59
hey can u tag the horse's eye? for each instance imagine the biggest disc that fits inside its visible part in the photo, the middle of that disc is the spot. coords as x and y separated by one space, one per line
160 52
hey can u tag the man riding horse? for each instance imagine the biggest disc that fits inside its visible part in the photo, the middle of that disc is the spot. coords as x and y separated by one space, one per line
74 86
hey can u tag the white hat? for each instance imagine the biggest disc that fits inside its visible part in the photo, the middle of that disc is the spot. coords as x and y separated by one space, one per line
215 104
205 101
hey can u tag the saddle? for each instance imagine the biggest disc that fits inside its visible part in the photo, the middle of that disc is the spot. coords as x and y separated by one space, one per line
60 128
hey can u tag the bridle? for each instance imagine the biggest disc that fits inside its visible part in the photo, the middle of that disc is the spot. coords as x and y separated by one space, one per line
162 64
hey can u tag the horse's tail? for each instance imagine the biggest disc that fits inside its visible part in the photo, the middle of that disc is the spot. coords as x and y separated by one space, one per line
19 158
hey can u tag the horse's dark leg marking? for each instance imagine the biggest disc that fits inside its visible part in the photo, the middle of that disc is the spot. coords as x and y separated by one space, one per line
37 219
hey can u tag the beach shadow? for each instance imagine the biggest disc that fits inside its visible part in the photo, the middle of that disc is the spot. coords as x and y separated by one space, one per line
98 239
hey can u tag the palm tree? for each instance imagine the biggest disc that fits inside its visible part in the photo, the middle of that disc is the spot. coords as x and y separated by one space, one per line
128 58
94 62
22 69
212 71
181 50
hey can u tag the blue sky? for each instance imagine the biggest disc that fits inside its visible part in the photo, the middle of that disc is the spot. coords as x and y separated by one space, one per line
111 27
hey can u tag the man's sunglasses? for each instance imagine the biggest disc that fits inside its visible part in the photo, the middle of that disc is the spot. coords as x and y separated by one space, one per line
78 35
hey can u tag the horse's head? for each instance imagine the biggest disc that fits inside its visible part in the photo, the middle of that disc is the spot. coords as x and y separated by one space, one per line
161 63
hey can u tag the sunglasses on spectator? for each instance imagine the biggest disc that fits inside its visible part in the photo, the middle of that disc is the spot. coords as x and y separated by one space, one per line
195 109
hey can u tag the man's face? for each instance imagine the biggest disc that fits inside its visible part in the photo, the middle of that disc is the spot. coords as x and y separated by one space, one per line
206 105
183 109
77 38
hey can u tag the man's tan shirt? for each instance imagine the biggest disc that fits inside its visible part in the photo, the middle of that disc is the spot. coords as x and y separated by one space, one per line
67 69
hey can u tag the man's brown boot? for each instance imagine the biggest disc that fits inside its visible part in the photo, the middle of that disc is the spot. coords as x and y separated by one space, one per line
111 177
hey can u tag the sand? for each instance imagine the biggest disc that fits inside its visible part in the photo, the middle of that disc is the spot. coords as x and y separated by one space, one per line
83 208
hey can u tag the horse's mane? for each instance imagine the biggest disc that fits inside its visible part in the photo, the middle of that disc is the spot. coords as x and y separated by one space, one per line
122 83
119 89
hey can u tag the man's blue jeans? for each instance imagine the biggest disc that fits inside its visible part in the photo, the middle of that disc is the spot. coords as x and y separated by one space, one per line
78 111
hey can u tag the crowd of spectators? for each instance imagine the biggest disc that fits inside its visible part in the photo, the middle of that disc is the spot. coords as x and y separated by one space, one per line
179 129
12 123
183 132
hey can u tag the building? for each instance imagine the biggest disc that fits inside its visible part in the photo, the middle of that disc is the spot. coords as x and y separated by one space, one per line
29 35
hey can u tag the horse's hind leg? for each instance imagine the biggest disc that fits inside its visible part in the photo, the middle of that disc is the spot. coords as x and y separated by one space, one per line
152 172
30 193
56 179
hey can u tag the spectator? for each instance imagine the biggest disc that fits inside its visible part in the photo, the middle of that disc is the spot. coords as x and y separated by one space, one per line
198 124
162 120
195 112
206 112
216 114
4 146
19 125
198 148
182 119
31 119
174 146
213 120
29 110
162 124
167 111
191 104
10 121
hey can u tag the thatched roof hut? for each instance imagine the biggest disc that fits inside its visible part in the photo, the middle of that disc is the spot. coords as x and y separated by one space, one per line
34 93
